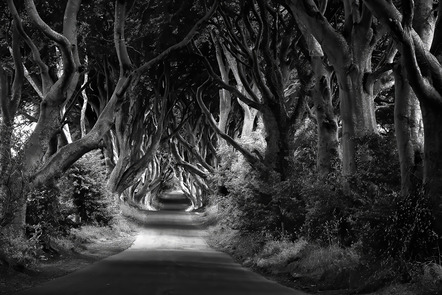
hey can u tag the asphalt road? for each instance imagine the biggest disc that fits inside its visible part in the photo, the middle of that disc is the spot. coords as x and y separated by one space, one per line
169 257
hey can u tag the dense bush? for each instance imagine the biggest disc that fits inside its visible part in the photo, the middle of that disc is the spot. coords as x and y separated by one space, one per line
247 196
328 218
78 198
318 208
378 166
18 252
335 216
402 230
84 189
366 224
391 226
45 215
256 201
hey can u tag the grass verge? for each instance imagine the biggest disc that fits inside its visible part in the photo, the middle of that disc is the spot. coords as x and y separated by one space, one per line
319 270
84 246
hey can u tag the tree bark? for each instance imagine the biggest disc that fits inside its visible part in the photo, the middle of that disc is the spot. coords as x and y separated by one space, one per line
225 100
211 121
350 56
84 108
12 201
409 132
408 116
328 144
71 152
49 123
68 154
249 112
432 180
357 115
424 74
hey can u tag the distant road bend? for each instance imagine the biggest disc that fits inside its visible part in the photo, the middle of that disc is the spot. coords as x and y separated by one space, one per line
168 257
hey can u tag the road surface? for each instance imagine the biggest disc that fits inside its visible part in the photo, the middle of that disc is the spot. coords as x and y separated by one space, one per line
168 257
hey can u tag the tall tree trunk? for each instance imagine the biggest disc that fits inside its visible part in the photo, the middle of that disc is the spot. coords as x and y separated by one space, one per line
6 129
12 202
49 122
6 126
408 116
225 98
357 114
249 112
432 120
276 136
328 144
424 75
350 55
356 96
84 107
409 132
248 120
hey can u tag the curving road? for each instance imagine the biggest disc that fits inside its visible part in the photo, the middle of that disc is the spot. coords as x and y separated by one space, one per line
169 257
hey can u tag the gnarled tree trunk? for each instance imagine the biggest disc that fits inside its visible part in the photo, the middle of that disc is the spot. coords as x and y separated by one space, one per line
12 202
424 74
328 144
350 55
408 115
409 132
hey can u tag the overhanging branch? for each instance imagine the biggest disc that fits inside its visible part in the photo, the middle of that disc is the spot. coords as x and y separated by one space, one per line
179 45
247 155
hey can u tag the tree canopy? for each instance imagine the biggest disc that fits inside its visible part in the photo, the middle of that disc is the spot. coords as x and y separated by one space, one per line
291 96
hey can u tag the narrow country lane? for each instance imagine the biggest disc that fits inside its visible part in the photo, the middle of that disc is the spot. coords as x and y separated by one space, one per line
169 257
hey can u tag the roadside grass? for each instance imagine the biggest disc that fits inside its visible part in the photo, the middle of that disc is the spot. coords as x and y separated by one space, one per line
83 246
328 270
133 214
20 253
316 259
17 253
277 254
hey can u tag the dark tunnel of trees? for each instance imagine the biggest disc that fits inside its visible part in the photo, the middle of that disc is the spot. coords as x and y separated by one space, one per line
300 121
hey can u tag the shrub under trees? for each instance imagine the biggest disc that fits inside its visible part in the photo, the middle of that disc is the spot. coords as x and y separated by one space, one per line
78 198
373 219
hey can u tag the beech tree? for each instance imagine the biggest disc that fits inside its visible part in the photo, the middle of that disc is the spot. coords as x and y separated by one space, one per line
350 54
423 71
54 94
408 115
228 64
10 96
258 49
193 152
328 145
38 165
143 192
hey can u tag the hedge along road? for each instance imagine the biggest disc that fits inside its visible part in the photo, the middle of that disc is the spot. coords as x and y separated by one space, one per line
168 257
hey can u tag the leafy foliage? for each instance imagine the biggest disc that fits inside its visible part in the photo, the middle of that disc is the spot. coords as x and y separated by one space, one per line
336 216
403 230
370 214
18 252
45 215
53 210
89 194
257 202
85 185
328 211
